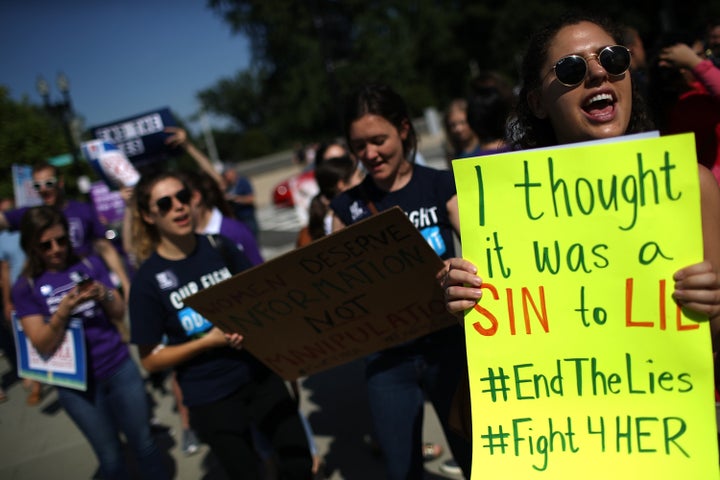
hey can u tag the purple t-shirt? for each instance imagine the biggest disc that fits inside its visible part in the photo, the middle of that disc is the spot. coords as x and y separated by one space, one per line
239 233
236 231
83 224
105 348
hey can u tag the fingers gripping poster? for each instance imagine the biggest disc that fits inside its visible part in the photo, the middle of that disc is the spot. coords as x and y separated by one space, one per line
580 362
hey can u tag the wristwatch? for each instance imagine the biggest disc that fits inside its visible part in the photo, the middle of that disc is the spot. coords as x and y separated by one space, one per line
108 296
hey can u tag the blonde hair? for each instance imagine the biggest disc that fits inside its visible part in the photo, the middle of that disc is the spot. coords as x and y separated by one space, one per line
143 238
145 235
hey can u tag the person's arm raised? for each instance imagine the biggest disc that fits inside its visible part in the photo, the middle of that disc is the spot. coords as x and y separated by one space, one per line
179 138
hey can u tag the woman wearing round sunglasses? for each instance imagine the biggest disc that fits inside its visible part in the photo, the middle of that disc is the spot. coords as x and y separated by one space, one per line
47 297
576 87
225 388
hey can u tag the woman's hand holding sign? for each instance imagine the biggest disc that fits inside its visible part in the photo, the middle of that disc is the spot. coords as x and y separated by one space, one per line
697 288
461 285
217 338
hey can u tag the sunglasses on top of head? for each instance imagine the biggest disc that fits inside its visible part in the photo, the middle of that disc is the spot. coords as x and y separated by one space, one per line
164 204
572 69
47 183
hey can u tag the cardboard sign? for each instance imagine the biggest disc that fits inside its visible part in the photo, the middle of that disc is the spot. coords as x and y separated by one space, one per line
580 363
365 288
140 137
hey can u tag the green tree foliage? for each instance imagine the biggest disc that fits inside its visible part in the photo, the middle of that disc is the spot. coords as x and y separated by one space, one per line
27 135
307 54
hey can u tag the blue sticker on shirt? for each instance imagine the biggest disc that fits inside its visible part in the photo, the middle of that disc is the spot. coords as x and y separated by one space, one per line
433 236
193 323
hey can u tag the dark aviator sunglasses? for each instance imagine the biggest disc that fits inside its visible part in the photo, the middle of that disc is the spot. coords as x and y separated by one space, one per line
572 69
164 204
61 242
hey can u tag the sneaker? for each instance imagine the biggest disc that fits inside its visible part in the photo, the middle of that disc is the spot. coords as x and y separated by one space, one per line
190 444
431 451
451 467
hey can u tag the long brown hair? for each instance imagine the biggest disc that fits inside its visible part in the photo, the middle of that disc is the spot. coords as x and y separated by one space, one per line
383 101
34 223
211 195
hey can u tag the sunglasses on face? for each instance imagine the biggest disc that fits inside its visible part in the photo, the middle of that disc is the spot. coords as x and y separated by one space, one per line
572 70
164 204
61 241
48 183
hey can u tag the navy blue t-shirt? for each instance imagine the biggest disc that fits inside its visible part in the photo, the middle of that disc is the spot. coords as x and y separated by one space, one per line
424 200
157 312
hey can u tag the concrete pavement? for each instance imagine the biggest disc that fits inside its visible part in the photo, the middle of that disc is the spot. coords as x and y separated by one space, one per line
41 442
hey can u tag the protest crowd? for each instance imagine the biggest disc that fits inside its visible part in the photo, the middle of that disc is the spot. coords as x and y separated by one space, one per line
125 299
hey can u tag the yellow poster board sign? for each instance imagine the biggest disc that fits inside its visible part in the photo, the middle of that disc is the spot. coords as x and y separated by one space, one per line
580 363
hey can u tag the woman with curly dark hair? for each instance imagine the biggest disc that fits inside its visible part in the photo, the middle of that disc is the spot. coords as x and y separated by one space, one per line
577 87
534 125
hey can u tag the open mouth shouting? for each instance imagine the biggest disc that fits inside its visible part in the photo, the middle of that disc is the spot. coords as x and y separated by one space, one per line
600 107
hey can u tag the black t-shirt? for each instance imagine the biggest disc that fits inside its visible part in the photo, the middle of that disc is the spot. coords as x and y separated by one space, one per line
158 315
424 200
